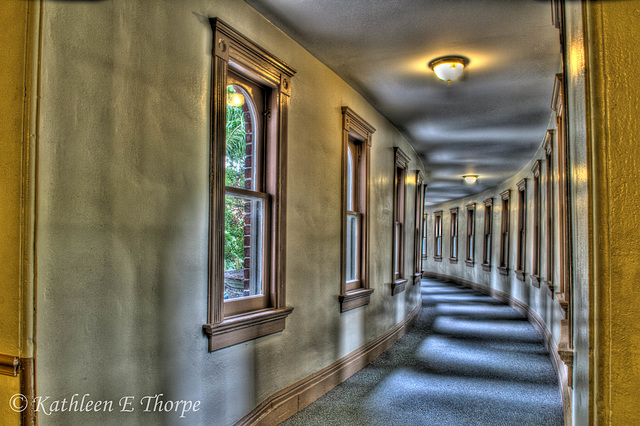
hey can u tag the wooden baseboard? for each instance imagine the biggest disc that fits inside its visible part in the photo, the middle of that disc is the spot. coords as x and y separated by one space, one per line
536 321
287 402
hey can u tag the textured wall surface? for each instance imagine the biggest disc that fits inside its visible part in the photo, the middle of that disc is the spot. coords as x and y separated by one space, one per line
13 37
123 199
612 34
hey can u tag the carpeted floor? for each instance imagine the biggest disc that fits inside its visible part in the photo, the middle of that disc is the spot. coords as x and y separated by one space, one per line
468 360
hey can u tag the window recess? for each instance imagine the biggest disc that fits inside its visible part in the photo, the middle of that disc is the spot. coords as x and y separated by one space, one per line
247 205
356 145
399 195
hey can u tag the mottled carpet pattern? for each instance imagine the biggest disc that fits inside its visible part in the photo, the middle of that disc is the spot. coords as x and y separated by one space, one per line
468 360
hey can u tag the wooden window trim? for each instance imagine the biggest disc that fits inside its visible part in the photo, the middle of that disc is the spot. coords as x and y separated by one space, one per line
549 231
471 234
356 128
419 213
503 263
521 240
231 50
398 280
453 235
487 234
563 290
535 265
437 233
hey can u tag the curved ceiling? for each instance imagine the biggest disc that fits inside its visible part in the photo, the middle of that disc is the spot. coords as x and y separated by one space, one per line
488 123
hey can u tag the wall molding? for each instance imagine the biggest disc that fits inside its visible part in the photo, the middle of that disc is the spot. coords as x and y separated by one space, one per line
536 321
9 365
287 402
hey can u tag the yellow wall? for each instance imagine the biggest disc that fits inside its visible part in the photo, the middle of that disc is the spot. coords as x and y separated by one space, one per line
13 21
612 34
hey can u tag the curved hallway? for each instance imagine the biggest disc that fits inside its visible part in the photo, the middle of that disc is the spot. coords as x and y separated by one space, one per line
469 359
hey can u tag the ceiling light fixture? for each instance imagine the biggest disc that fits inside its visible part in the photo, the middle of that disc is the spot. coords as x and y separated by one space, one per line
470 179
448 68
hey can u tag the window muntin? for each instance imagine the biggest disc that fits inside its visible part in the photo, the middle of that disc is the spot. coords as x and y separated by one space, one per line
487 234
471 234
522 230
255 200
437 236
453 240
503 264
356 144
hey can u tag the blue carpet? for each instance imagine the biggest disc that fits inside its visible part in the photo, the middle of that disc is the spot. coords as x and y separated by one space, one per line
468 360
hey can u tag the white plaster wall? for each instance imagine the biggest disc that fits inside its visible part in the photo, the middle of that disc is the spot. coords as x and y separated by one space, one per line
123 210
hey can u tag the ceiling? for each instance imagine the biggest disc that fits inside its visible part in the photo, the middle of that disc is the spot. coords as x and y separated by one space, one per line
488 123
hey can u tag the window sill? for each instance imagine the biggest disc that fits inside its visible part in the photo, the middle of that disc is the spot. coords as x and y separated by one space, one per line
521 275
564 351
503 270
437 258
551 287
417 277
535 281
354 299
244 327
486 267
398 286
564 304
469 263
453 260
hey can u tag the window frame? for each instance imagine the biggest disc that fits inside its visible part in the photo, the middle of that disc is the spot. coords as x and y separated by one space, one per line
471 235
503 262
419 213
537 214
357 132
401 162
425 239
521 240
232 51
563 290
487 240
437 236
453 235
549 231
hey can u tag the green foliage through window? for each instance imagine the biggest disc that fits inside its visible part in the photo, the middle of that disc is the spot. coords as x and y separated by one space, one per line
236 145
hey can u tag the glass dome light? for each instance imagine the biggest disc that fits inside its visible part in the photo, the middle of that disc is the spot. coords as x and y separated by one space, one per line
448 68
470 179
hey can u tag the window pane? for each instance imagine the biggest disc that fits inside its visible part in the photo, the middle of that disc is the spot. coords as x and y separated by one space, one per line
240 160
352 247
243 246
350 180
396 243
487 247
454 247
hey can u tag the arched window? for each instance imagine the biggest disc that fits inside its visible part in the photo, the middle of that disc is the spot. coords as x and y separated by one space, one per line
353 219
245 198
250 91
